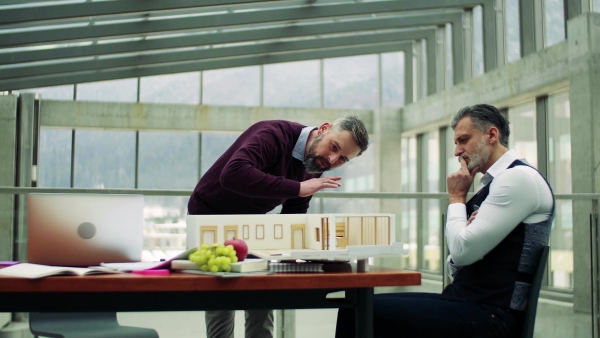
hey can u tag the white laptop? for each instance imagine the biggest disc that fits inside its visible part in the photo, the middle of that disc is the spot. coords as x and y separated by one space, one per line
84 229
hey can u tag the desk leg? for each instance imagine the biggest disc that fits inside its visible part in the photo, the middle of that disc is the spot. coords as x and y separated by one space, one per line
363 313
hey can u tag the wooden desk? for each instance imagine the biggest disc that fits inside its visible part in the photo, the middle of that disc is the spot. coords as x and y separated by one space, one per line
189 292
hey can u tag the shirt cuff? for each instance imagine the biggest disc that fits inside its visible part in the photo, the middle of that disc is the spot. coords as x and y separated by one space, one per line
457 211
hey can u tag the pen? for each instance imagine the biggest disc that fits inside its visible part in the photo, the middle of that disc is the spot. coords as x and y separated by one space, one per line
157 272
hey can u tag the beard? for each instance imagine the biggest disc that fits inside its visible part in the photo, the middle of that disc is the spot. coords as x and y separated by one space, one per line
311 161
481 154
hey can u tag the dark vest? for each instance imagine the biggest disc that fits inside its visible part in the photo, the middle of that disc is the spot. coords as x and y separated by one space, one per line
503 276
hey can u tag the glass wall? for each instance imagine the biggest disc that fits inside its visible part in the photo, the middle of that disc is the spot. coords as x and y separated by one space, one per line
108 91
54 160
523 131
54 93
167 160
392 79
554 22
171 88
449 57
351 82
559 176
408 217
430 208
478 66
292 84
512 37
232 87
104 159
523 138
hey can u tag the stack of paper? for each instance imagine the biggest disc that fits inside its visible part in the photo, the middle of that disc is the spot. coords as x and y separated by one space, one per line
247 265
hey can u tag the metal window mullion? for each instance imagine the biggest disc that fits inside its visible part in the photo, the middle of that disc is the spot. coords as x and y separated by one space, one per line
417 71
443 169
500 10
440 57
419 202
261 86
538 17
72 178
36 143
527 27
199 155
139 88
467 56
490 38
430 48
201 80
137 159
408 76
321 83
541 115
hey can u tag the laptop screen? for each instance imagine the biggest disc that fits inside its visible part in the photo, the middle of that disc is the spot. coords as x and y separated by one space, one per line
84 229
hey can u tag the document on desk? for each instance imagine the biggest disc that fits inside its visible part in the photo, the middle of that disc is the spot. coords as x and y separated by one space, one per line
227 274
28 270
137 266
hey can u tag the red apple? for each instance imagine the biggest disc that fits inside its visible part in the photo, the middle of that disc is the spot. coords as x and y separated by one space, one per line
240 247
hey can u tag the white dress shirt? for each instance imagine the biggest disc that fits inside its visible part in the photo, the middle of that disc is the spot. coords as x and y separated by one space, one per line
519 194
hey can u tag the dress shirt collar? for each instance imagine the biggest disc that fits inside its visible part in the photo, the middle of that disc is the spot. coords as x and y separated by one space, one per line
499 166
300 147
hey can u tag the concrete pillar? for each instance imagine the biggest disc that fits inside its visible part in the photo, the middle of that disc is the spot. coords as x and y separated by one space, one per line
8 128
390 179
584 79
25 147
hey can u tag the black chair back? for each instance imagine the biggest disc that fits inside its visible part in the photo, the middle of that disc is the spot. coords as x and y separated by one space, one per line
534 293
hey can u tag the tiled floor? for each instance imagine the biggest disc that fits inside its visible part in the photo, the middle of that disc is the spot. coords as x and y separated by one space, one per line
309 323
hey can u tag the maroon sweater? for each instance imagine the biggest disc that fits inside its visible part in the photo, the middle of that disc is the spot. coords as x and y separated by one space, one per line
255 175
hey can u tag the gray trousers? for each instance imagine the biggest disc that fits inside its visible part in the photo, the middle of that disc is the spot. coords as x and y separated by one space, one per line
259 324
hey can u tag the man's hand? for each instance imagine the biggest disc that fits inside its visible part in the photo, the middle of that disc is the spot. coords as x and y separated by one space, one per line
460 182
472 218
313 185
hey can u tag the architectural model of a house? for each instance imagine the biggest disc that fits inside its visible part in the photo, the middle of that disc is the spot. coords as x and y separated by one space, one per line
293 231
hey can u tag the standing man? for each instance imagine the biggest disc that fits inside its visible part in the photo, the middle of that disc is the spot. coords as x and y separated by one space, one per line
495 240
273 163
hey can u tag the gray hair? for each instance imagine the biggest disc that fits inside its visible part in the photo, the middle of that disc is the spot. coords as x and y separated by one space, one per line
483 117
356 127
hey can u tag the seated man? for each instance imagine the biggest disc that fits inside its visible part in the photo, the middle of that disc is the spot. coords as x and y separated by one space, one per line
495 240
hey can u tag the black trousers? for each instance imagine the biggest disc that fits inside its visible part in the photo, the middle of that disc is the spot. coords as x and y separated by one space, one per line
426 315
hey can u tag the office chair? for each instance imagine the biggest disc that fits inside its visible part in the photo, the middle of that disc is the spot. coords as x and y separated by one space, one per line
534 293
83 325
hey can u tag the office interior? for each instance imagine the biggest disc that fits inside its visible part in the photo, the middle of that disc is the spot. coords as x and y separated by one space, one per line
142 97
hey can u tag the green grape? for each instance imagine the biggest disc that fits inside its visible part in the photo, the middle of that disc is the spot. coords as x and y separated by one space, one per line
214 257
